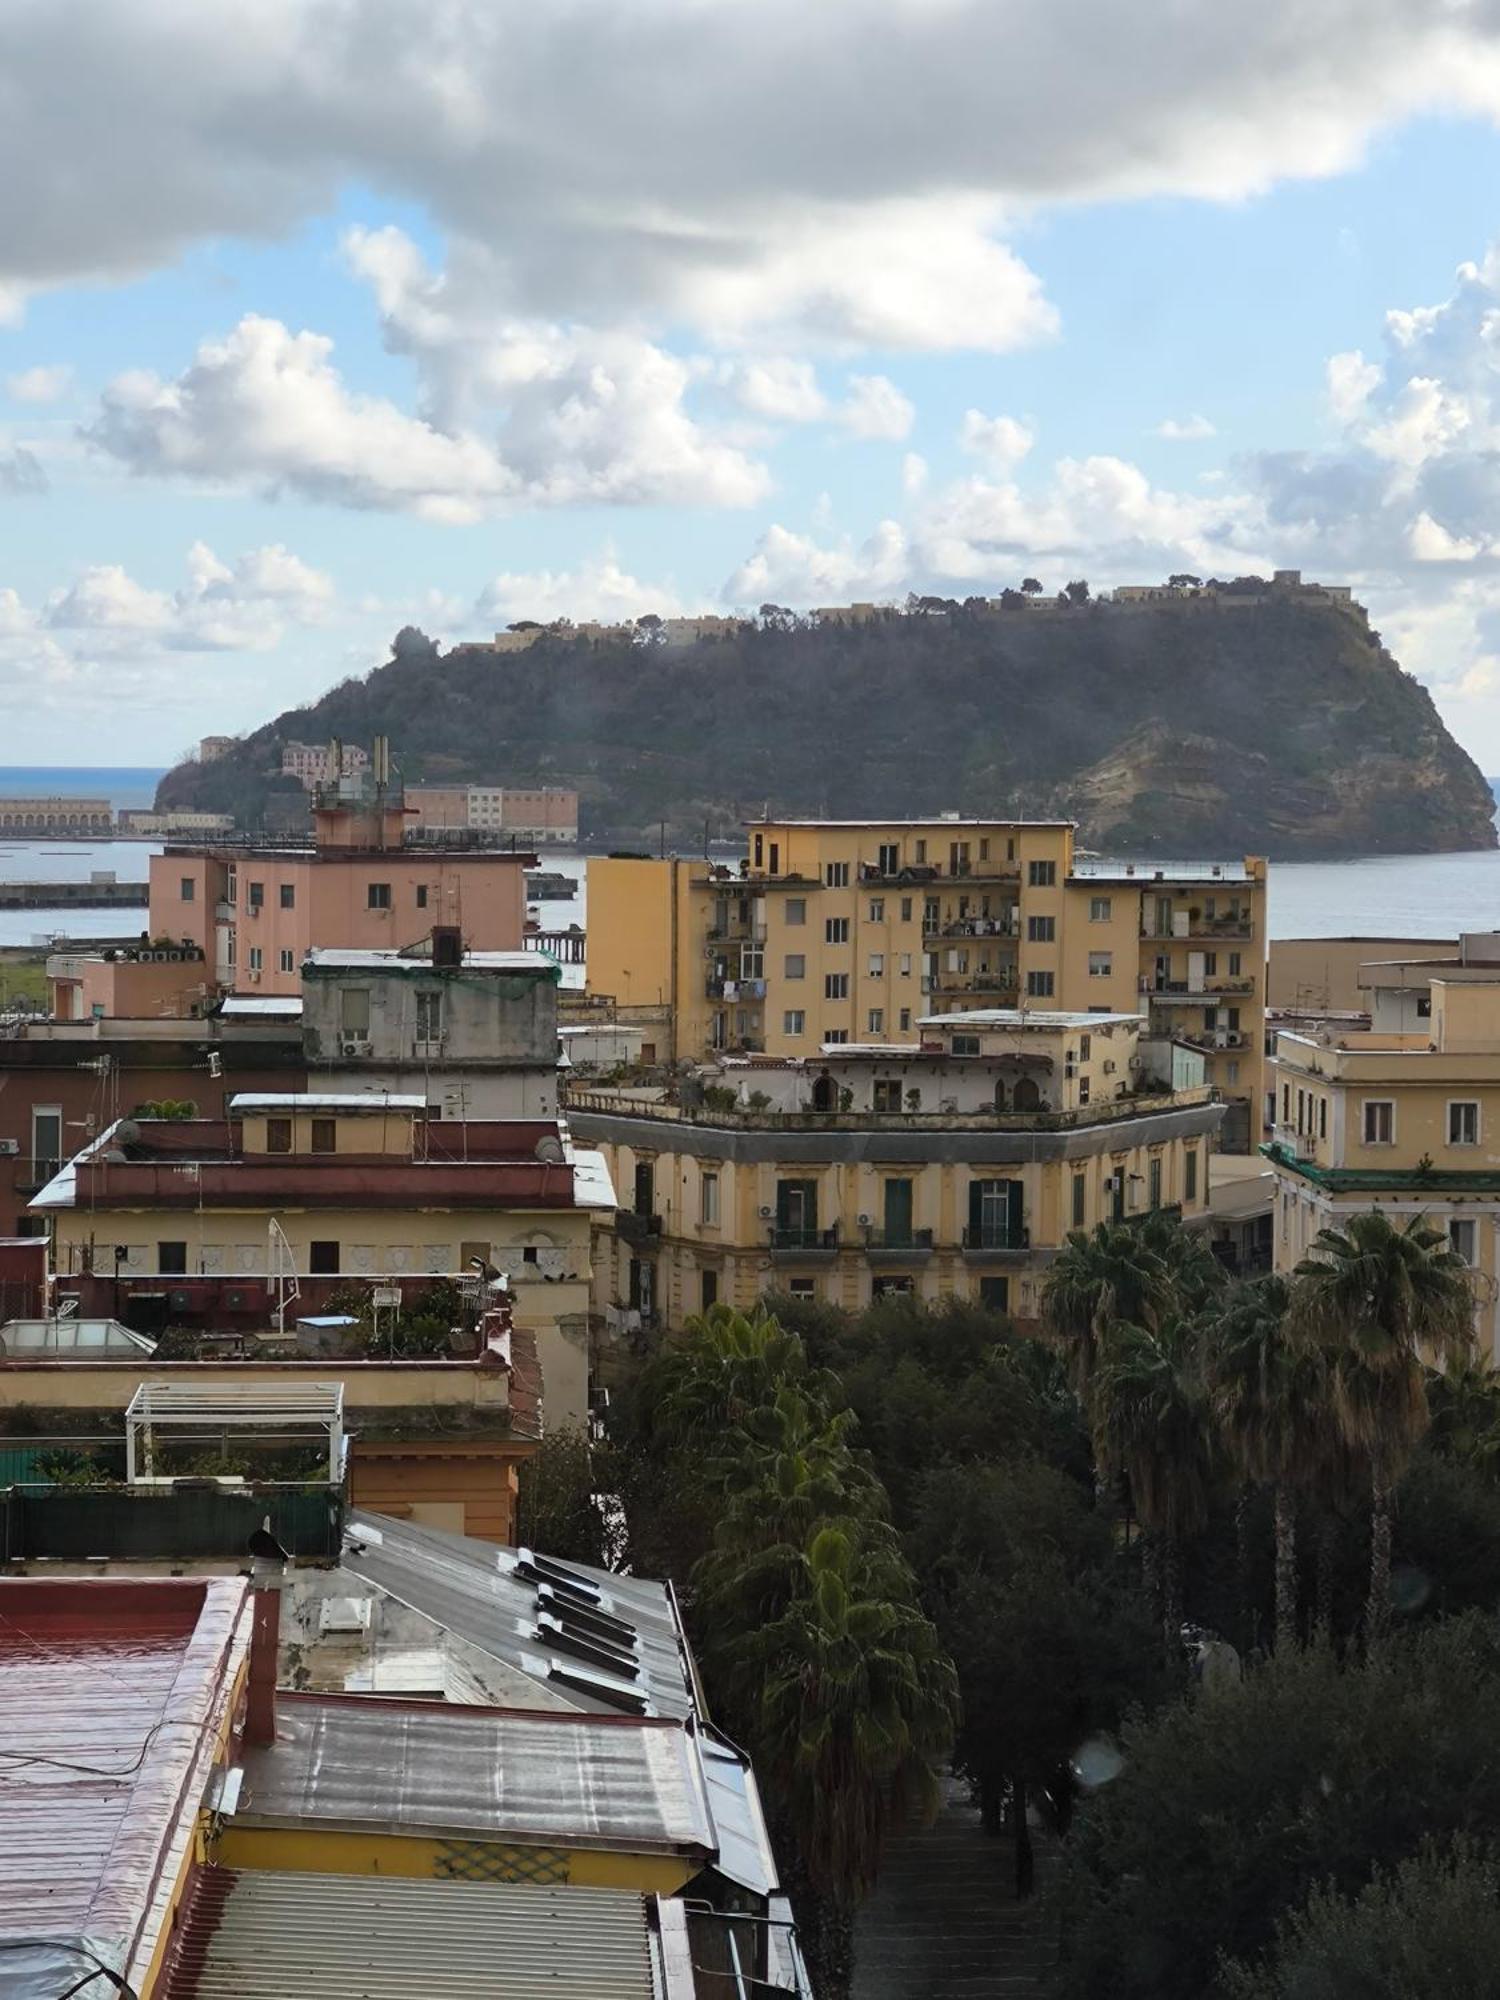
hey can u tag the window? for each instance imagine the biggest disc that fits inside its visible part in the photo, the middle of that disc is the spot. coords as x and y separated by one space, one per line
775 857
836 874
1041 874
1153 1183
231 884
1232 1072
921 850
964 1045
796 909
325 1136
995 1211
994 1294
430 1016
1463 1234
229 946
1083 1090
255 895
795 965
1379 1121
188 889
876 1023
1286 1104
708 1203
278 1135
1085 1047
378 896
171 1260
836 986
890 857
421 895
793 1021
836 930
834 1035
1210 962
256 957
354 1011
887 1093
906 965
1463 1124
984 850
1190 1174
802 1288
877 965
708 1282
1101 908
323 1259
1101 964
904 1017
760 851
46 1139
797 1214
1041 930
877 909
1322 1111
289 961
289 895
1080 1200
896 1211
1039 985
906 909
1234 964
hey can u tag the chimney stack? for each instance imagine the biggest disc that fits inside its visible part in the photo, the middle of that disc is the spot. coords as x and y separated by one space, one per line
265 1634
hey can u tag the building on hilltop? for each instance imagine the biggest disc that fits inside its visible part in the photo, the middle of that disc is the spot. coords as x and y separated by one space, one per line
949 1167
850 931
538 815
1403 1115
318 764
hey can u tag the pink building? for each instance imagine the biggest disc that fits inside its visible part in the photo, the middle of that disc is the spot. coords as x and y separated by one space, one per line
255 913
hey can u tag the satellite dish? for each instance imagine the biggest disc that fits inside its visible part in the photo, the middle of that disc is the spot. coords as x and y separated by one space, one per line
549 1149
127 1133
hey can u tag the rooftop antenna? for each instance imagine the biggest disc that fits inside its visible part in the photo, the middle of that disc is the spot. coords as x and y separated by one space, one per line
283 1272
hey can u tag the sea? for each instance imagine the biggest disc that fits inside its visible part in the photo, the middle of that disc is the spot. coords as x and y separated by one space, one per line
1387 895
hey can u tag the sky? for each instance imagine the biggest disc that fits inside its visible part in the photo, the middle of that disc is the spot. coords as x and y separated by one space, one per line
323 317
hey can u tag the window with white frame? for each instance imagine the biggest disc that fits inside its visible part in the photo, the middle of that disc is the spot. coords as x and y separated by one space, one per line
1463 1238
1101 909
1379 1121
708 1211
836 874
836 930
793 1021
796 965
1463 1122
1101 964
795 910
877 909
288 961
1039 985
876 1023
836 986
877 965
906 965
905 1019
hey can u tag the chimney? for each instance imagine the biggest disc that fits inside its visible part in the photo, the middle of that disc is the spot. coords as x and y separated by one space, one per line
265 1633
447 947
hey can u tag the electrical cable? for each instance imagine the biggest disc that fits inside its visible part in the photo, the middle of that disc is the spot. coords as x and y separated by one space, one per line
78 1951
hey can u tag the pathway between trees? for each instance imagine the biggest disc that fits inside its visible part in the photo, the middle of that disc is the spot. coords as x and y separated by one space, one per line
943 1923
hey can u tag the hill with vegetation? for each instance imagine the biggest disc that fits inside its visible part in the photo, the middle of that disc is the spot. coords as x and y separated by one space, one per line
1280 725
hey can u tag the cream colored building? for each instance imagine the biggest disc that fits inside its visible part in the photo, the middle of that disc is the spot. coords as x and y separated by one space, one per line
850 931
949 1167
1405 1122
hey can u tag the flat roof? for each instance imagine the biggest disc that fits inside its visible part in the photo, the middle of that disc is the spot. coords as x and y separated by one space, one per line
255 1007
928 819
1100 868
377 959
1025 1017
72 1336
350 1101
108 1689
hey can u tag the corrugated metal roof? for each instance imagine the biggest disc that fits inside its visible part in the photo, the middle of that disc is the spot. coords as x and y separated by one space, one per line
478 1592
265 1936
349 1102
254 1006
584 1781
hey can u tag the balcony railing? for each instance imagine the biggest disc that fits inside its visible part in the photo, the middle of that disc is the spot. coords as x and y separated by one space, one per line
797 1239
744 989
1239 929
898 1243
603 1103
1213 988
635 1227
996 1240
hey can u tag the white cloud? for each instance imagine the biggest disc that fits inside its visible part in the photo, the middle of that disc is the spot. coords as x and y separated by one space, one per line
775 386
43 384
789 568
596 590
1001 441
21 472
913 473
241 607
1185 430
876 408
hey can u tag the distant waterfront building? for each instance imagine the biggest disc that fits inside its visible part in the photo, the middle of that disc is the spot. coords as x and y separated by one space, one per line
315 764
70 818
144 822
951 1167
851 931
540 815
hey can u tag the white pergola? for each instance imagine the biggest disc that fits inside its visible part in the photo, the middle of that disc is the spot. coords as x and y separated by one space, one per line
265 1408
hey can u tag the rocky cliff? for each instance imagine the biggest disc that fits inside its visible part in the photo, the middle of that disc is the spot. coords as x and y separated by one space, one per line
1278 725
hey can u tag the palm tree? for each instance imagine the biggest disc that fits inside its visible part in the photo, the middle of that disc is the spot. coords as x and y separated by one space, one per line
1274 1405
1382 1300
1101 1276
1151 1423
851 1706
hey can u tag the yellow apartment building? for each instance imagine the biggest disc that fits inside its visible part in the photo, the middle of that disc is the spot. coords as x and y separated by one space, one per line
951 1166
1405 1122
847 932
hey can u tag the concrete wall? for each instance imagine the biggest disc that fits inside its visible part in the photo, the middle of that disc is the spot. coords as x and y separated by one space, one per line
488 1017
1322 974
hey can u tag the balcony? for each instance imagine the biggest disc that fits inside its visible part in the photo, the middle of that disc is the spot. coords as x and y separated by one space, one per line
803 1243
1236 930
1180 990
996 1241
995 927
897 1246
635 1228
720 986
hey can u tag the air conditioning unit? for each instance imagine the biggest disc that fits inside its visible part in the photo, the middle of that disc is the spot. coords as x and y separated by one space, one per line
9 1148
354 1045
253 978
864 1222
766 1214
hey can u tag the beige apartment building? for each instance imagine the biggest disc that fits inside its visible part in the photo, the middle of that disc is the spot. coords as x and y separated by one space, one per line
844 932
541 815
952 1167
1405 1121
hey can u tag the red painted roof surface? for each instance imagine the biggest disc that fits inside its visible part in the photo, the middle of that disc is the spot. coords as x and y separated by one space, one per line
106 1689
